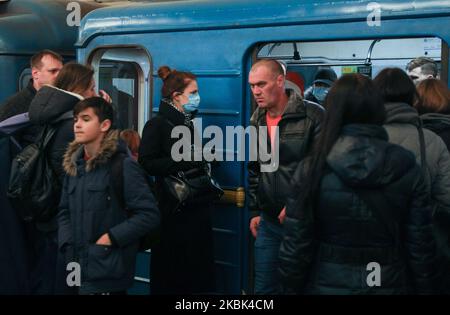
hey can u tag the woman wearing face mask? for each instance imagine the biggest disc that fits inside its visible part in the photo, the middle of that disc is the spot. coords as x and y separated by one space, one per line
182 262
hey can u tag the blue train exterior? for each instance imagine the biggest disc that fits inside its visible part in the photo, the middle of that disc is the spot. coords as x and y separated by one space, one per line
27 26
218 41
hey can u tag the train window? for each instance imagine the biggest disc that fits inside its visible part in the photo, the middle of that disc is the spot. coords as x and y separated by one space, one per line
124 74
119 80
369 57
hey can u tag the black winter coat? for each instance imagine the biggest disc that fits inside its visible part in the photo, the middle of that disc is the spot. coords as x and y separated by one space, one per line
298 127
54 106
155 149
88 209
183 262
19 103
327 247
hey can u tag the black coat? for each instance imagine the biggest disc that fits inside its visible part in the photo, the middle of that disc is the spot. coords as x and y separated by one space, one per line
16 250
19 103
54 107
183 262
298 127
88 209
155 149
327 247
15 246
439 124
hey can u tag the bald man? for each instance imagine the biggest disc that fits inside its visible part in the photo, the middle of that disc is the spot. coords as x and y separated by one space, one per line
298 122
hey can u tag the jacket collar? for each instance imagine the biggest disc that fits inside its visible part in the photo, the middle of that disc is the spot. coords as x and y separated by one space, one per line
50 103
294 108
75 152
401 113
436 121
365 130
171 113
30 87
361 157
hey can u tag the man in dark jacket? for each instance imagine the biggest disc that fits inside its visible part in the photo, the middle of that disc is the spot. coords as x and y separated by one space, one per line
299 123
45 66
18 236
94 230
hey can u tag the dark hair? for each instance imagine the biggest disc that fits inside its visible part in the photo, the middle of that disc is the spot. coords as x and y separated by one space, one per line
274 66
174 81
101 108
395 86
36 59
353 98
74 77
434 97
427 65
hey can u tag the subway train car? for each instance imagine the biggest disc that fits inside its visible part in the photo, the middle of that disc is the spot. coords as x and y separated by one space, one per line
219 41
27 26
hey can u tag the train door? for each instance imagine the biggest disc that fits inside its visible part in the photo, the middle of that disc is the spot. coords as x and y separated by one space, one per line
124 73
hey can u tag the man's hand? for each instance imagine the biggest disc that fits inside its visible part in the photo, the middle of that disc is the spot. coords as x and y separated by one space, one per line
104 240
254 224
282 215
105 96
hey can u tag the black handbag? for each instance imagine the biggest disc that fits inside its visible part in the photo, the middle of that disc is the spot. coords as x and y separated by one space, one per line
195 186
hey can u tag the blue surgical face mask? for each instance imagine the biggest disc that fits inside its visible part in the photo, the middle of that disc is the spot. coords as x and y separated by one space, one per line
192 104
320 93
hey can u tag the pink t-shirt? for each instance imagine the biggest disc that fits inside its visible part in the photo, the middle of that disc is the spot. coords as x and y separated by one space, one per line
272 122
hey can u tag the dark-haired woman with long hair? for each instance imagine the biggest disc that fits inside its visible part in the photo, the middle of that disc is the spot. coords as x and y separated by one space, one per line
182 262
358 203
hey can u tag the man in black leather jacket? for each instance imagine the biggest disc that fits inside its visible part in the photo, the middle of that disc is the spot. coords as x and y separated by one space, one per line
298 122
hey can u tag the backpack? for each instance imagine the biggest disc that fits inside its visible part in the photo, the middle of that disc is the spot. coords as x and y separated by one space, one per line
117 185
34 187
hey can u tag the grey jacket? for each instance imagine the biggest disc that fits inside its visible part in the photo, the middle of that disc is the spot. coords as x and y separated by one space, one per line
402 127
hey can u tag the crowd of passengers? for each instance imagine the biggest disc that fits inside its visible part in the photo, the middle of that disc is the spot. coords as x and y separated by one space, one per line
363 178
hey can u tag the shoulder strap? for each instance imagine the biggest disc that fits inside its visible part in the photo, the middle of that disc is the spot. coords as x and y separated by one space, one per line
423 159
382 209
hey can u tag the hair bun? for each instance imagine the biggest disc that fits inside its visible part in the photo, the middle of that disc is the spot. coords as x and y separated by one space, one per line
163 72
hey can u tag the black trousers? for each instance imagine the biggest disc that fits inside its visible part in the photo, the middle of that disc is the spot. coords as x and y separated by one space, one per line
183 261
